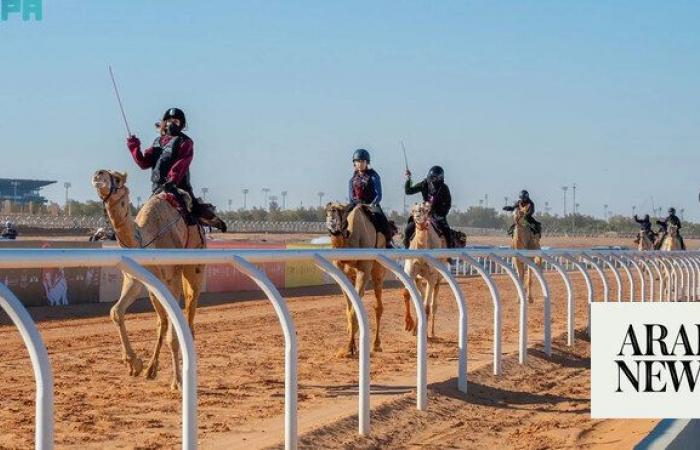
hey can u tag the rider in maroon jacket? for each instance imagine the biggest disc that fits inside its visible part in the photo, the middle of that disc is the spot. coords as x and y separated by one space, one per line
169 159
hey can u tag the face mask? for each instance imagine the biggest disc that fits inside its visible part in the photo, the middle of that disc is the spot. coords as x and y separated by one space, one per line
172 129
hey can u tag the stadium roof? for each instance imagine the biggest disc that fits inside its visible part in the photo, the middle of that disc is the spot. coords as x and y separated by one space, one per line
22 184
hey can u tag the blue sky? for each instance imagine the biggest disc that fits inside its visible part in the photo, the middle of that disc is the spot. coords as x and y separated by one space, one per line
504 95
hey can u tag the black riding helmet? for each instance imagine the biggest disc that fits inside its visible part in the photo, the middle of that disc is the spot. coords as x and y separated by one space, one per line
176 113
672 210
360 155
436 174
524 195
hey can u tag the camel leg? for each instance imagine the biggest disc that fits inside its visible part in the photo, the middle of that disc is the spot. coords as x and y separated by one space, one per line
378 285
349 351
152 366
171 278
130 290
175 286
409 323
192 282
433 305
528 284
427 300
522 273
176 383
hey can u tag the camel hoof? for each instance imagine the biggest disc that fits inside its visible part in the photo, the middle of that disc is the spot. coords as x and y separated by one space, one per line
409 324
135 366
531 300
175 385
152 370
377 348
344 353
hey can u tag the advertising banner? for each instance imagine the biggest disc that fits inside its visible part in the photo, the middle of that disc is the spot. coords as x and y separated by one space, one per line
55 286
304 273
225 278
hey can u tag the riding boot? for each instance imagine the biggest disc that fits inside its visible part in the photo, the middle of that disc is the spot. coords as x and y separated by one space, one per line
206 213
446 232
409 232
449 239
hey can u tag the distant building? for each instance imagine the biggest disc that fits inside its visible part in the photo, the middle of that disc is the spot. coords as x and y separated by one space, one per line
23 191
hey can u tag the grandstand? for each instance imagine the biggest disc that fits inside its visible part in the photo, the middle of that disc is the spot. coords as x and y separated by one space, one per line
23 191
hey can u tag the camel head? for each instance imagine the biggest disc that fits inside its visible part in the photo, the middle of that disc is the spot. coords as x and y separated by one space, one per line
421 214
672 230
335 216
519 217
107 182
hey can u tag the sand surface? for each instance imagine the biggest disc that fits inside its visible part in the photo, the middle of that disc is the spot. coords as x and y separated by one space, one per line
544 404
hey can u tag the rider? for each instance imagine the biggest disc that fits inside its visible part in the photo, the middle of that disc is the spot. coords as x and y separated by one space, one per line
526 205
9 232
645 225
365 188
169 159
672 219
103 234
435 191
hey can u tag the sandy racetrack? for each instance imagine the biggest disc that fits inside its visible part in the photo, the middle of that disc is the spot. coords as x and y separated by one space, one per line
240 372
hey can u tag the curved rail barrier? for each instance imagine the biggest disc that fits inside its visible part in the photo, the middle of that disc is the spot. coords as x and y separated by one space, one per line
522 317
290 347
421 330
43 431
496 299
185 340
363 323
678 274
569 298
463 315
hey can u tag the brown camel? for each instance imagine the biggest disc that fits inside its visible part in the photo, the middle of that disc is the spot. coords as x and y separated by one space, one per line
157 225
426 277
644 242
671 242
524 238
360 233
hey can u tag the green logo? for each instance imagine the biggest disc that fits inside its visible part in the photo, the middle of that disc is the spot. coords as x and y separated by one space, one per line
29 9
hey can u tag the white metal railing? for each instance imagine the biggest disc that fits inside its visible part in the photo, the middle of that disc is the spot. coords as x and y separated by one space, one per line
678 279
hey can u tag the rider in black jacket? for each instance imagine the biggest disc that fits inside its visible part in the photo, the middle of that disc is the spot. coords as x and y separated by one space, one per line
435 191
672 219
524 202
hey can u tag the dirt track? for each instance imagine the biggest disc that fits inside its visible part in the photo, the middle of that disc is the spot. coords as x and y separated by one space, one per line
239 345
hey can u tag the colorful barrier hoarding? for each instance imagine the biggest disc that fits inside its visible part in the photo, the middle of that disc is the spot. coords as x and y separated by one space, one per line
55 286
304 273
37 287
225 278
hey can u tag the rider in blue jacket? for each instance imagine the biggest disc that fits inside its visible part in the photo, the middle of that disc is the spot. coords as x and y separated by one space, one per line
365 188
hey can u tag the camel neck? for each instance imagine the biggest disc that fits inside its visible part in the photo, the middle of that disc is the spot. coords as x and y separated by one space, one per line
123 223
421 237
338 241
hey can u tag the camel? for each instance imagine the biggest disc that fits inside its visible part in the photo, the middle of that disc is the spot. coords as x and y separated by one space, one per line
644 242
425 276
671 242
157 225
360 233
524 238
